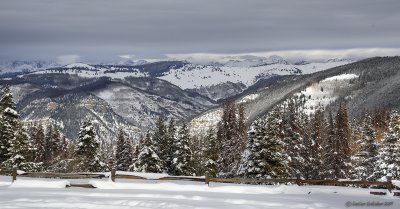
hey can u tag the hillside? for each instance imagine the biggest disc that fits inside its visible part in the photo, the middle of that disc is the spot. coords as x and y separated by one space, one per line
133 104
364 85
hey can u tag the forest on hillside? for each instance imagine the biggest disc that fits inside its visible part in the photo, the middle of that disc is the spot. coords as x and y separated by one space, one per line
284 143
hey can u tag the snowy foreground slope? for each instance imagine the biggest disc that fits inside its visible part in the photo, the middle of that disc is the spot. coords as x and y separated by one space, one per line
28 193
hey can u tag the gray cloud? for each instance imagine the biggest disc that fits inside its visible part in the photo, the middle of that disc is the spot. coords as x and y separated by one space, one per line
98 30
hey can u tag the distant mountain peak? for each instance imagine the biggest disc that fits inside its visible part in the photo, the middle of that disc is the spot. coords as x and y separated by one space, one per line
79 65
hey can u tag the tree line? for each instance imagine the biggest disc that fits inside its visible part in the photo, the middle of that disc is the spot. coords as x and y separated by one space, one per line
284 143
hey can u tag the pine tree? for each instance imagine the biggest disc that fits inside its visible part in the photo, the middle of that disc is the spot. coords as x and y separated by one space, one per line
314 164
39 144
57 143
294 137
329 150
230 146
342 131
123 154
161 144
148 160
182 155
87 149
49 145
389 154
265 156
365 159
169 140
20 152
8 122
242 129
211 154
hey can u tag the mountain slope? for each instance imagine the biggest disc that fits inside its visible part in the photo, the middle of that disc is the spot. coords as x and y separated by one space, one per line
133 104
373 82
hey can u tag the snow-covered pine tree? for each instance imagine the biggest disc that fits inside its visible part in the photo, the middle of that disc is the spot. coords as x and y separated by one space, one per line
57 143
137 147
148 160
242 128
228 136
247 166
87 149
342 131
313 160
266 157
329 150
294 132
39 145
20 153
9 122
389 152
161 143
365 159
182 164
64 148
169 140
211 153
16 149
49 145
123 155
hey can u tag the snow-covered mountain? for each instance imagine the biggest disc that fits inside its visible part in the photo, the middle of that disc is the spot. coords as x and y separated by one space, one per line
20 67
134 96
131 103
216 81
364 85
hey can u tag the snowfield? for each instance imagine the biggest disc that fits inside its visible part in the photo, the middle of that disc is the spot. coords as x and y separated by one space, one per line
44 193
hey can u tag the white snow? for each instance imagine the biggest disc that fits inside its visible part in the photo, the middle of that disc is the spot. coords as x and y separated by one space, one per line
80 65
319 95
140 174
183 195
39 184
341 77
196 76
92 72
248 98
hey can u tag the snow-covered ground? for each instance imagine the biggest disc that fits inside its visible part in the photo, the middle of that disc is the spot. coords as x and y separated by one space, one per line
196 76
41 193
321 94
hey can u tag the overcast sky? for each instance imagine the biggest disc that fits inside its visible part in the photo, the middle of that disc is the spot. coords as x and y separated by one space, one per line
97 30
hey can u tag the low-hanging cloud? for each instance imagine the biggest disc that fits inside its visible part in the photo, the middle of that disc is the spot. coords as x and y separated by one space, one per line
100 30
67 59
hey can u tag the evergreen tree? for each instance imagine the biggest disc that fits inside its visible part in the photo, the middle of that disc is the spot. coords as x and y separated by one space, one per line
148 160
342 137
20 152
57 143
294 132
230 146
123 154
8 122
247 167
242 129
389 154
87 149
329 150
39 144
314 164
365 159
49 145
182 155
211 154
169 140
161 143
266 157
64 148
